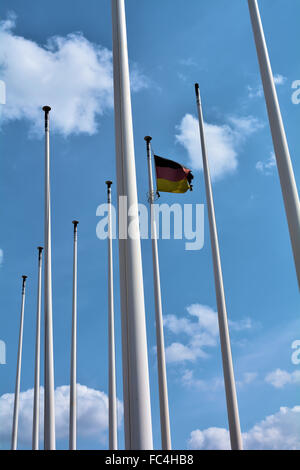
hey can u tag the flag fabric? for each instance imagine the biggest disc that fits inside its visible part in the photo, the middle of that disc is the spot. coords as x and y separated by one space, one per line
171 177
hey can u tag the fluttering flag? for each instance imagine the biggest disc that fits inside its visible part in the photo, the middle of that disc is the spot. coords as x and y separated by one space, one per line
171 177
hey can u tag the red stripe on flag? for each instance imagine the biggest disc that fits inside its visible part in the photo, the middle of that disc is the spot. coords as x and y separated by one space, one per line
171 174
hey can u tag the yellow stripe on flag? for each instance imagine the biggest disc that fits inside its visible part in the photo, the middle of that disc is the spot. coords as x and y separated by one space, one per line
168 186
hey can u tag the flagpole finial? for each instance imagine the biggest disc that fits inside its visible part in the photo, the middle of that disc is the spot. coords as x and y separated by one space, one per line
75 223
40 248
148 138
23 283
47 109
109 183
197 88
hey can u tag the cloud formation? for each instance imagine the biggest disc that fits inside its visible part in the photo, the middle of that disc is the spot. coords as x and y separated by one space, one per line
258 92
279 378
209 439
200 329
280 431
214 384
200 334
248 378
267 167
189 380
223 142
71 74
92 414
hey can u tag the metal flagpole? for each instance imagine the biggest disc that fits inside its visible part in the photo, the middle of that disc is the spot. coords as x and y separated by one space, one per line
122 265
36 397
137 408
284 164
73 394
113 436
231 398
49 406
161 361
14 437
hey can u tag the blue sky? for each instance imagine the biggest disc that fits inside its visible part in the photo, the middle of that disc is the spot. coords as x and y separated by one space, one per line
171 46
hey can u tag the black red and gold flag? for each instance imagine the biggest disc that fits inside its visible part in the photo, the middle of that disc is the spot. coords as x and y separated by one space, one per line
171 177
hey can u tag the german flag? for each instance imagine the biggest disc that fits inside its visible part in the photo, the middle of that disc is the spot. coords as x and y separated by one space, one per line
171 177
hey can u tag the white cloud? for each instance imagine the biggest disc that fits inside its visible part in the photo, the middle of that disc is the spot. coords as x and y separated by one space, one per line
209 439
71 74
279 378
223 142
279 79
178 352
266 167
258 91
179 325
280 431
138 81
248 378
201 330
207 318
201 333
189 380
92 414
255 92
245 324
212 384
243 127
1 256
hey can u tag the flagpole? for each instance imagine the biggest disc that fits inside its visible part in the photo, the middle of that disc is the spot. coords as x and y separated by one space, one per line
113 436
36 397
73 391
14 437
284 164
230 389
161 361
49 406
137 408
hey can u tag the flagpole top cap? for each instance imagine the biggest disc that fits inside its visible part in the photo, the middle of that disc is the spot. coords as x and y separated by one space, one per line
75 222
197 88
148 138
109 183
46 109
40 248
24 278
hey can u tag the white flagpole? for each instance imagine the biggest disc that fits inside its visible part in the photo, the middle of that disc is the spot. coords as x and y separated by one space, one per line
49 406
230 389
73 391
284 164
161 361
14 437
113 423
36 397
137 408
